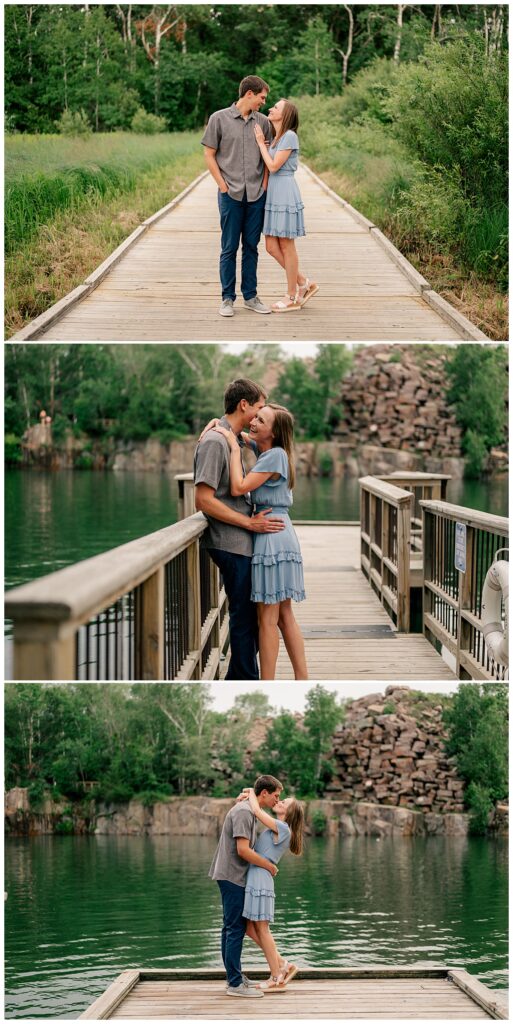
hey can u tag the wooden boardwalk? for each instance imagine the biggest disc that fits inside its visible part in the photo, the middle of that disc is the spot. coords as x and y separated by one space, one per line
163 285
348 634
337 994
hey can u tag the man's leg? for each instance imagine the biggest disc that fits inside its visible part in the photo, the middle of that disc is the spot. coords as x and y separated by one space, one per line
234 930
236 573
231 214
251 231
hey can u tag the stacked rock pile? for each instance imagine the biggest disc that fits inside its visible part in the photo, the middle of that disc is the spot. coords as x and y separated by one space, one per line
391 750
395 397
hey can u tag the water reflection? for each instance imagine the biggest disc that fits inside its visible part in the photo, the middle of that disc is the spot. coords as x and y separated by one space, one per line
82 909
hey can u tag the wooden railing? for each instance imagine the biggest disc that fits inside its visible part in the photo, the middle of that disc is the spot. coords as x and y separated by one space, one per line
149 609
424 487
385 513
452 598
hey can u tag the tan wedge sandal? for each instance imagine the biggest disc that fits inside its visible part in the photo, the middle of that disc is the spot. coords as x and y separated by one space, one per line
286 305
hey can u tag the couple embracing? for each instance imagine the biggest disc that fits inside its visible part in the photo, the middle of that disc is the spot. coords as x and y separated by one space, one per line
250 536
244 868
252 159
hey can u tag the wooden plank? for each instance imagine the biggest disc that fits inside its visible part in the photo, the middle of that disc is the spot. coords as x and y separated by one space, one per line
492 1002
472 517
104 1006
150 629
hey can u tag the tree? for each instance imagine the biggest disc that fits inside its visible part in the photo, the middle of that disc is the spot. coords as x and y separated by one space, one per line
478 738
323 714
478 388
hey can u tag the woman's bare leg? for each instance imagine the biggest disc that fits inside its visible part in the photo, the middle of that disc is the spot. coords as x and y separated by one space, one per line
268 945
293 640
268 639
252 934
290 262
273 247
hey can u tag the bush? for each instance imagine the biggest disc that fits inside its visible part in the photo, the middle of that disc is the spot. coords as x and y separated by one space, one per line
74 123
12 447
144 123
318 822
148 797
325 463
480 805
84 461
65 826
37 792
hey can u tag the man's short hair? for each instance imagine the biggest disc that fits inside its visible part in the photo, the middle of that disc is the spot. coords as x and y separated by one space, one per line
267 782
252 84
239 389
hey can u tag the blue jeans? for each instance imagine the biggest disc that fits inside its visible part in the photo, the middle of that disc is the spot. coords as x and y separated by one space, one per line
234 930
236 573
240 219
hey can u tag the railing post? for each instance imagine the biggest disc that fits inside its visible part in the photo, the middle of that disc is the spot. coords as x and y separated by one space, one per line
150 627
186 497
464 604
428 521
194 605
43 650
403 567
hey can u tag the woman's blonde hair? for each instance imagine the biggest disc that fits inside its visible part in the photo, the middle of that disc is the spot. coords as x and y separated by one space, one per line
295 819
283 435
289 118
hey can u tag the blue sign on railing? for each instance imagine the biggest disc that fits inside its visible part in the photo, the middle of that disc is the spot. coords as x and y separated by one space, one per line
460 547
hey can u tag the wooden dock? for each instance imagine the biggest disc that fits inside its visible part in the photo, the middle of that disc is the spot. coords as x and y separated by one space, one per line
162 283
434 993
348 634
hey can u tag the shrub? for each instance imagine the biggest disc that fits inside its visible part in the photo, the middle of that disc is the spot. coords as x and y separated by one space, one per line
73 123
325 463
144 123
84 461
318 822
65 826
480 805
37 793
13 454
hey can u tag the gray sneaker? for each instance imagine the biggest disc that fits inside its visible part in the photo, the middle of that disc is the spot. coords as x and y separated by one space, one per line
226 308
244 992
248 982
256 305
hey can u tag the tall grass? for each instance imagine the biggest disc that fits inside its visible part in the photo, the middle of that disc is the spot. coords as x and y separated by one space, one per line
47 174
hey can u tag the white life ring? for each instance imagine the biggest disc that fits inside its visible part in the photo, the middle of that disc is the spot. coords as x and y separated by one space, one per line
496 590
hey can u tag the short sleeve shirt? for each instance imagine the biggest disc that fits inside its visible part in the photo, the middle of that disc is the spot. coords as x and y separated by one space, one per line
212 467
227 866
237 154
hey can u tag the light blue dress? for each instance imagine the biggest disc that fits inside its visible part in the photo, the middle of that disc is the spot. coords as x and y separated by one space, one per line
284 207
259 897
277 565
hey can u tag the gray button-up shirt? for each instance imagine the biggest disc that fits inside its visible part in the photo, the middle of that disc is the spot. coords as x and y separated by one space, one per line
212 467
237 154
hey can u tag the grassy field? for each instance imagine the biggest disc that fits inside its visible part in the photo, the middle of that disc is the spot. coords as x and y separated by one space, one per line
70 202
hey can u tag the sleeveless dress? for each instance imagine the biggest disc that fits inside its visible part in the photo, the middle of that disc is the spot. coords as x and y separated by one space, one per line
259 896
277 565
283 207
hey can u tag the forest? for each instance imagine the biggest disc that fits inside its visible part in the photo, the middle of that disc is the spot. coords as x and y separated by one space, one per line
403 110
134 392
157 741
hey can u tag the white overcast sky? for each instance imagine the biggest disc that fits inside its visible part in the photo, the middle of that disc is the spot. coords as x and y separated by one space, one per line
291 696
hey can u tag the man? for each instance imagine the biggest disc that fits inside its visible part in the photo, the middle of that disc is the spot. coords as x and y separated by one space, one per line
235 162
228 537
229 868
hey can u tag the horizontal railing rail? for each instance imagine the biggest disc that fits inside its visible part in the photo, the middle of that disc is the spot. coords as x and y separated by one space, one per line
385 514
452 597
150 609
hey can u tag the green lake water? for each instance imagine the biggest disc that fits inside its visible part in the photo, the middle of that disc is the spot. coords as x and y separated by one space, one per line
54 519
82 909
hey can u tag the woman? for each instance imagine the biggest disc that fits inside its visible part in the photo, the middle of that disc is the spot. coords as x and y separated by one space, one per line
277 565
283 220
282 833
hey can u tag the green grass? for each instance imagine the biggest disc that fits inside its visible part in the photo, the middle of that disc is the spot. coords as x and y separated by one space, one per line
47 174
60 253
